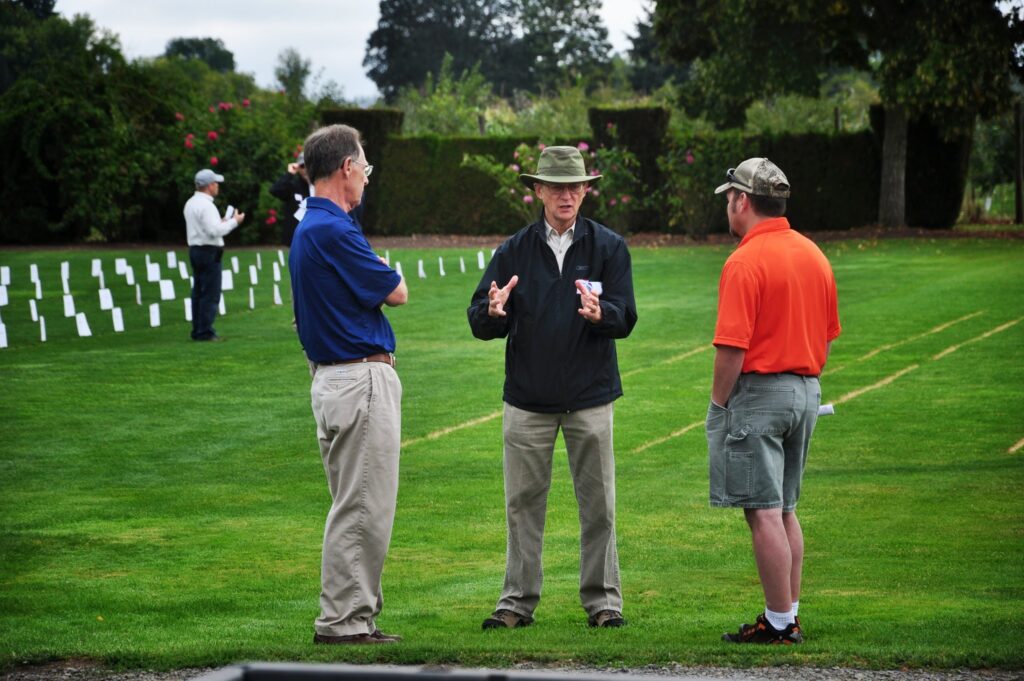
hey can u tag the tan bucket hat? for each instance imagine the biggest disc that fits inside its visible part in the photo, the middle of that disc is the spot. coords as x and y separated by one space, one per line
559 165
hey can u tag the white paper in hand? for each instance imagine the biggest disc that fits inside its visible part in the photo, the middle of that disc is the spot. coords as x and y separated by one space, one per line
826 410
229 213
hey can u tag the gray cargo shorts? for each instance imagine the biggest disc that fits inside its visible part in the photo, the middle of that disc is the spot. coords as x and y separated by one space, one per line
757 447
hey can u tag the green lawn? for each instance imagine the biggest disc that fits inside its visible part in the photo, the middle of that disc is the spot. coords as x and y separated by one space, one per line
162 502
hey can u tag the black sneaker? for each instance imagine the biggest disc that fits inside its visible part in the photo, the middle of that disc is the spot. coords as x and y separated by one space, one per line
763 632
506 619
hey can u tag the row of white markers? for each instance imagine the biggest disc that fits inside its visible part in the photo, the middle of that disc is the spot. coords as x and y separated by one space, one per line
154 275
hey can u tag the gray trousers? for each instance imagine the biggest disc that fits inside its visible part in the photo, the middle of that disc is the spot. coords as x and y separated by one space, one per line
358 412
529 447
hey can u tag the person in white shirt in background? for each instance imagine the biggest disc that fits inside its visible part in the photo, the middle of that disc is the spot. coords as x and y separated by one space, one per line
205 230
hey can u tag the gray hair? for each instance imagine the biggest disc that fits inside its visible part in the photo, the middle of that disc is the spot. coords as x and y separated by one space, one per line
327 148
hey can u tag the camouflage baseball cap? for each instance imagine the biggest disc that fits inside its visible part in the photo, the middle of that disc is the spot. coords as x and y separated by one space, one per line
757 176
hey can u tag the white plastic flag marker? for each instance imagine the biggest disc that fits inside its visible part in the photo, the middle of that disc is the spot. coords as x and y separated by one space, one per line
148 261
277 271
106 300
234 264
3 336
42 329
462 264
33 273
118 319
153 272
32 309
129 275
65 270
39 290
102 282
69 306
826 410
277 295
172 260
3 296
66 286
97 267
188 309
259 261
440 265
83 325
154 314
182 269
387 258
492 251
398 268
253 279
227 280
138 294
422 273
120 265
166 289
222 308
191 283
280 257
5 275
480 259
252 299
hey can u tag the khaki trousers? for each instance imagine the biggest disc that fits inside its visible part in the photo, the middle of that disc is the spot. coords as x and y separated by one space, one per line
358 412
529 447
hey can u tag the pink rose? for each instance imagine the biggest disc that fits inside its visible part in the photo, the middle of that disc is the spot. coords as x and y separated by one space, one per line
542 147
596 192
179 116
689 156
213 160
212 135
514 167
245 103
528 198
625 199
188 144
212 109
515 154
611 202
271 220
583 146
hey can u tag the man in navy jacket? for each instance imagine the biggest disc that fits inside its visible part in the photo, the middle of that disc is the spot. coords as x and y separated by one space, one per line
560 291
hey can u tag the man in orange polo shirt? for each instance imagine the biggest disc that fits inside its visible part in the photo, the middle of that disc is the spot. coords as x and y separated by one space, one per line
777 317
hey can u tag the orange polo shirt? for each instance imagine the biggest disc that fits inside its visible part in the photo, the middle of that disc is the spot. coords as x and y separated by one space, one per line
777 300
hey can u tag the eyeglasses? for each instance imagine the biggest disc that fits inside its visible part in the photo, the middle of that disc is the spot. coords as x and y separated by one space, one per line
574 188
368 168
730 175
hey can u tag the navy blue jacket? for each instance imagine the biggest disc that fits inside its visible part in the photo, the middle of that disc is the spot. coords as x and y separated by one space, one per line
555 360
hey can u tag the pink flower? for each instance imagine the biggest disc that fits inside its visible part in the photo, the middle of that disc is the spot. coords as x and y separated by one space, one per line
593 171
596 192
188 144
528 199
213 160
190 135
225 106
179 116
271 220
583 146
542 147
514 167
610 125
245 103
212 109
689 156
611 202
515 154
272 211
626 199
212 135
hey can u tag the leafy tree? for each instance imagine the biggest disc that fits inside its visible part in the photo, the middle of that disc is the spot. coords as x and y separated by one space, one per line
449 106
948 61
209 50
558 41
648 69
291 72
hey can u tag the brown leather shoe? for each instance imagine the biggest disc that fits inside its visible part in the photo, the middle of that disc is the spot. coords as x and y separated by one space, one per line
381 636
506 619
355 639
606 619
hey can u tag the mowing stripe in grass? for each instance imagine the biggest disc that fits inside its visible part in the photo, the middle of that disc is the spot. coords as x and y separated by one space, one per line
954 348
451 429
670 360
909 339
1013 449
874 386
652 443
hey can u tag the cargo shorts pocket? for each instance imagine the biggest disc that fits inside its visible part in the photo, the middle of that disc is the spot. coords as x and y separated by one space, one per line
739 466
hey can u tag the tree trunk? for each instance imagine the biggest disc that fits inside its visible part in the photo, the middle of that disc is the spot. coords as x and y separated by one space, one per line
892 199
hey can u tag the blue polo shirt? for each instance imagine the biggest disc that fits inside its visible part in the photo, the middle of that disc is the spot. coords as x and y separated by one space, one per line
338 287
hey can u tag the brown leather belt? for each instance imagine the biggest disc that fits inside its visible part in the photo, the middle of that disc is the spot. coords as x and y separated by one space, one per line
385 357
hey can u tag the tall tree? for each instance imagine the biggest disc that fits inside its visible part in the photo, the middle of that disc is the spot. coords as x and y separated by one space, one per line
558 40
648 69
947 60
292 72
209 50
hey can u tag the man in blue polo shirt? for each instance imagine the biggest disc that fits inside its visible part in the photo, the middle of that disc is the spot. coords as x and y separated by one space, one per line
339 285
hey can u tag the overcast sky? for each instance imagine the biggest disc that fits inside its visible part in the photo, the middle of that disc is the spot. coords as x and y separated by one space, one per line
330 33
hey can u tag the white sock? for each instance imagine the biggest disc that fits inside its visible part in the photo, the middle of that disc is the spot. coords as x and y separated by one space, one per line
779 620
796 608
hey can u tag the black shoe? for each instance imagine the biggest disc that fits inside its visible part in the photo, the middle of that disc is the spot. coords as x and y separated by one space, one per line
506 619
763 632
355 639
606 619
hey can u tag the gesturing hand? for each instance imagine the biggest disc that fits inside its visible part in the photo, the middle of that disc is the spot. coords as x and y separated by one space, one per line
591 309
498 297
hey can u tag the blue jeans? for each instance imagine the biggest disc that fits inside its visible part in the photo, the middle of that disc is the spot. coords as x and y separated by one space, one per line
205 289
